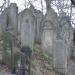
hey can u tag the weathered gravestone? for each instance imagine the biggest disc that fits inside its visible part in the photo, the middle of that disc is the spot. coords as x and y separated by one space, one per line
27 28
2 23
71 68
49 25
39 16
3 19
12 19
9 19
73 47
62 44
71 62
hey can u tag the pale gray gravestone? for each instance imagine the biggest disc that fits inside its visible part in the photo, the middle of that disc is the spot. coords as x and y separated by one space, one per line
49 25
27 28
12 18
62 44
39 16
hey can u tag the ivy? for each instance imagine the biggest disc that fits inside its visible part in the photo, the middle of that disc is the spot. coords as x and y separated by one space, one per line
9 57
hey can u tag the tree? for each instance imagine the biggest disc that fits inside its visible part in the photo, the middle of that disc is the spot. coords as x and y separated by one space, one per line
73 2
48 2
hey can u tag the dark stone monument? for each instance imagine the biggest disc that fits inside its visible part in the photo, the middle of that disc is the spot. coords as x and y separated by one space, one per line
25 60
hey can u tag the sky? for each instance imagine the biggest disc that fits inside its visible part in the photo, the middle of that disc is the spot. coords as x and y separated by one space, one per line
37 4
21 4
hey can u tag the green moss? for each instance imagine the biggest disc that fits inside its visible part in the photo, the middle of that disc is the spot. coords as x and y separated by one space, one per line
8 56
47 57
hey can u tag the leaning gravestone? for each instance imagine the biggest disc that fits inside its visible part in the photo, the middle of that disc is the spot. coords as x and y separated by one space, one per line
62 44
27 28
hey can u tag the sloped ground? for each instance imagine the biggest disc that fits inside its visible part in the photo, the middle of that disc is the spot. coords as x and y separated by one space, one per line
4 69
41 63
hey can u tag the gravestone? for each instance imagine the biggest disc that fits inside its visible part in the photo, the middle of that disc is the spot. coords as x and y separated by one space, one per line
62 44
71 68
39 16
47 37
27 28
9 19
9 23
3 19
0 26
12 19
49 25
73 46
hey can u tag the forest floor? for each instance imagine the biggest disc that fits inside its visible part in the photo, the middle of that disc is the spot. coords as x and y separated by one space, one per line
41 63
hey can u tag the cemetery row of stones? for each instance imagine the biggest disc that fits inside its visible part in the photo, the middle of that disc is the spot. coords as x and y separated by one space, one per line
54 33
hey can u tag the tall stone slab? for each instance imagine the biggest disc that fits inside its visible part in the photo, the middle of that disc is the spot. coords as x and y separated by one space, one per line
3 19
12 19
9 19
27 28
0 25
9 22
62 44
39 16
2 29
71 68
48 29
